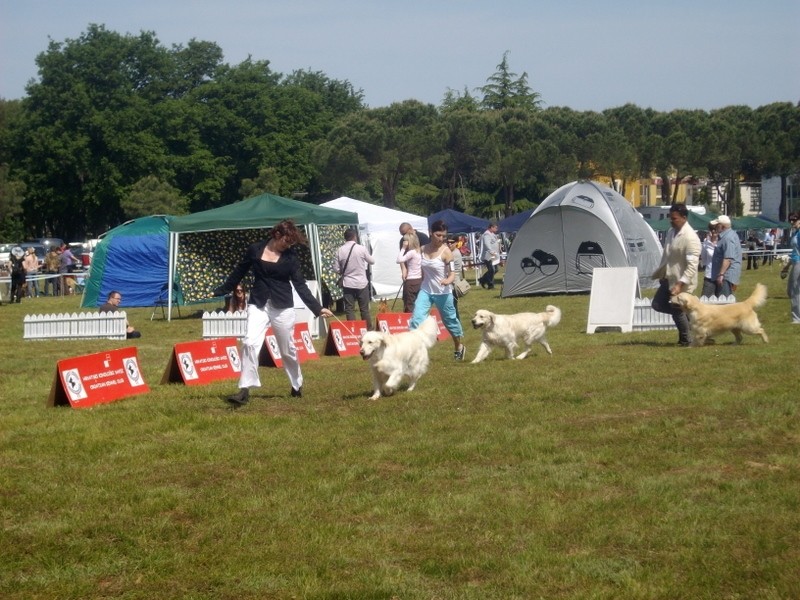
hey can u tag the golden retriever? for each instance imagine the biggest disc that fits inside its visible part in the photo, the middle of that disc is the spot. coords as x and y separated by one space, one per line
395 357
708 320
505 330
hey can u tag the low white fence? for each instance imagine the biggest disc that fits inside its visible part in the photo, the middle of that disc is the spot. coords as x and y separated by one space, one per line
224 324
66 326
647 319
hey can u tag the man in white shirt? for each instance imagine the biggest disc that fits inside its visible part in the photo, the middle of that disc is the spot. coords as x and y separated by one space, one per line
490 255
351 263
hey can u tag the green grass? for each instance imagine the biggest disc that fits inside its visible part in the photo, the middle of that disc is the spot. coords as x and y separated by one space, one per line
620 467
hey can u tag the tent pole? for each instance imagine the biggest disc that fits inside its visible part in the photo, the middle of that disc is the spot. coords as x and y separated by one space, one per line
316 259
173 241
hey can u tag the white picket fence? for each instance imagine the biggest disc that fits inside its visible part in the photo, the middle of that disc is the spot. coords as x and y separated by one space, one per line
646 319
66 326
224 324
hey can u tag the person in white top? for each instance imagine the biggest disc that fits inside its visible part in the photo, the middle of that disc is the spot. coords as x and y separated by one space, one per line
707 248
769 246
409 260
351 263
438 275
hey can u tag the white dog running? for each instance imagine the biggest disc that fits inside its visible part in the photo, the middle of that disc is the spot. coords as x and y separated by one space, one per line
505 330
395 357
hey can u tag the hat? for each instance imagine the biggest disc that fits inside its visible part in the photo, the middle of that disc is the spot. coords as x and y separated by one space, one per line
722 220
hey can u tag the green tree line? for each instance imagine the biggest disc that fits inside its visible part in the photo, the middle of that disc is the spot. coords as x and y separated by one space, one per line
119 126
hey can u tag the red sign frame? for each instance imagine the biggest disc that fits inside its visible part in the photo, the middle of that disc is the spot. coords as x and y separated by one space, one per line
100 378
343 337
199 363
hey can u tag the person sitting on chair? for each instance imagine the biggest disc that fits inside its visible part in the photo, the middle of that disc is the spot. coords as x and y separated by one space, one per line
112 305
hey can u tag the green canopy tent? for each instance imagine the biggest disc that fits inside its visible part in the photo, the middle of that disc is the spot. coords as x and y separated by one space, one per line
204 246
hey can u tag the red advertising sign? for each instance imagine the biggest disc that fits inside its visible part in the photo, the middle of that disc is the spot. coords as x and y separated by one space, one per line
393 322
398 322
199 363
85 381
271 354
343 337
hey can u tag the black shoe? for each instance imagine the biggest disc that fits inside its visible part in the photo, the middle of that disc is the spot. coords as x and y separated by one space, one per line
240 398
297 393
483 284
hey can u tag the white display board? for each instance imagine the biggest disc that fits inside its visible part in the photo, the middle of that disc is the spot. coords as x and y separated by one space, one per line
611 303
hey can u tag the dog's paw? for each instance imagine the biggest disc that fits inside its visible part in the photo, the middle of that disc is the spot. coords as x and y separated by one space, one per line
375 396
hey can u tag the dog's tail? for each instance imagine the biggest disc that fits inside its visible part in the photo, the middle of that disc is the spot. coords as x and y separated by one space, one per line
758 297
553 315
431 330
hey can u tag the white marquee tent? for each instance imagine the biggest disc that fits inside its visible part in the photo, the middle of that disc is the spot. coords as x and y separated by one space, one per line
379 231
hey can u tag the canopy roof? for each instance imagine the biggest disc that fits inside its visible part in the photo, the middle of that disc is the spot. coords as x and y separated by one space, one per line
458 222
259 212
374 218
513 223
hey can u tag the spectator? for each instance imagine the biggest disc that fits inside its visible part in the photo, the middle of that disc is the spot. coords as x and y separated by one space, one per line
351 262
490 255
792 269
67 266
237 301
112 305
707 258
410 260
52 263
727 263
31 264
458 267
17 268
421 235
769 246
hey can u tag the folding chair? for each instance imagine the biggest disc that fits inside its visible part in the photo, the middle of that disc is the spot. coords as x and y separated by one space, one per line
162 301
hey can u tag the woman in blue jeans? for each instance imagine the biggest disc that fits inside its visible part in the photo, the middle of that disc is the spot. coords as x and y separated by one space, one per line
437 287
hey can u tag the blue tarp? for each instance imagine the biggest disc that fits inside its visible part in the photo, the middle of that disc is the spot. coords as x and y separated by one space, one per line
514 222
458 222
131 259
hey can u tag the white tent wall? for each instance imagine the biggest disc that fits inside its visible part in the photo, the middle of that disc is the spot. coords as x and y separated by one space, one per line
379 232
580 226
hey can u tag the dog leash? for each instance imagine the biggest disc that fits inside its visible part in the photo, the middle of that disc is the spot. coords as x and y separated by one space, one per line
350 331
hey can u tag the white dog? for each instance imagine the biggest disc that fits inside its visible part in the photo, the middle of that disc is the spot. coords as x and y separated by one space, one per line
708 320
505 330
395 357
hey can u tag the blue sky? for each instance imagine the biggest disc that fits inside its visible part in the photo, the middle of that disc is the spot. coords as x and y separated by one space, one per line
584 54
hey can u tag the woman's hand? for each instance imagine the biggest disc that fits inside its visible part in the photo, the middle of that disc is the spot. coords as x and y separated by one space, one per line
325 313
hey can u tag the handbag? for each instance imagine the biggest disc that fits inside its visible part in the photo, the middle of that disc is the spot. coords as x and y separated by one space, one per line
461 287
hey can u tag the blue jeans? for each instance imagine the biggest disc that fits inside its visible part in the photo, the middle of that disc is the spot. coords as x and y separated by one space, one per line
444 302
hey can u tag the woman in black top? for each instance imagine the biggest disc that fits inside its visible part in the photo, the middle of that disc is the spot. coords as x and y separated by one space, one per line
275 267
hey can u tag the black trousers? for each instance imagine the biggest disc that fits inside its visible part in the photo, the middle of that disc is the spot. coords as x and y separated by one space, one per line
662 304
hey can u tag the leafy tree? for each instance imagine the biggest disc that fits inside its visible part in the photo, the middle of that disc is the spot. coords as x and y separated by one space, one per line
151 196
466 131
384 145
504 90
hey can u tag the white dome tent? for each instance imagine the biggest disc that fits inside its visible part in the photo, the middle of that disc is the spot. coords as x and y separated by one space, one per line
580 226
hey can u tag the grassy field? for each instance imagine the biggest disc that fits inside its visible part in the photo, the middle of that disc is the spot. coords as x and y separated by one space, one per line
621 467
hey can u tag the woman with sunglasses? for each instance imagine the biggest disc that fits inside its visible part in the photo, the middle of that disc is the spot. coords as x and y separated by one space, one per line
275 267
237 301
